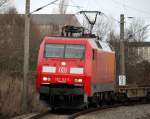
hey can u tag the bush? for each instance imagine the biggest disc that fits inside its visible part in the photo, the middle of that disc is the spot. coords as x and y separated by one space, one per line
139 74
10 95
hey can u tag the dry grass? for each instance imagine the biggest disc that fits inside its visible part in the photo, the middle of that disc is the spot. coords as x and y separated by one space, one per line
10 96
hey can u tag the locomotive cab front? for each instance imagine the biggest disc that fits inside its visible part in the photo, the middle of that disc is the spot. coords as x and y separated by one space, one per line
61 78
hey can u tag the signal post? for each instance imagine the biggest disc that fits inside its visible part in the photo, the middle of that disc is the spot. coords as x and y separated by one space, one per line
122 76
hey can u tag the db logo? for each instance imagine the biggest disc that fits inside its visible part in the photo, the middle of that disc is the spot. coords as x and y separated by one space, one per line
62 70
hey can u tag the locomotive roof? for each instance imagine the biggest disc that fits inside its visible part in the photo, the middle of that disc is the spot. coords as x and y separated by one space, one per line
100 45
96 44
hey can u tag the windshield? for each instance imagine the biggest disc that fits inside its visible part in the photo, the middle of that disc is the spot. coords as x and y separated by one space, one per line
64 51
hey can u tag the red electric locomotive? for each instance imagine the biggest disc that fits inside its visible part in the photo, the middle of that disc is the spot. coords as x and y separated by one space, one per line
73 71
76 69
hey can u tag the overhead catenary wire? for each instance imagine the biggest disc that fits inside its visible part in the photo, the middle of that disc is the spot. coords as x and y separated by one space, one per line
130 7
77 6
38 9
107 16
111 18
54 2
125 9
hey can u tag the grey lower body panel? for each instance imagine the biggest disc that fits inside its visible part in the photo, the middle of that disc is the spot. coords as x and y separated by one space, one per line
102 87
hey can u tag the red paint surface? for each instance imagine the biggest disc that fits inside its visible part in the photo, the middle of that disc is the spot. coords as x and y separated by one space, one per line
95 71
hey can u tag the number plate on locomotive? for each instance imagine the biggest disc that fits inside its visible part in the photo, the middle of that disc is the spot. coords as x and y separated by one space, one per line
61 80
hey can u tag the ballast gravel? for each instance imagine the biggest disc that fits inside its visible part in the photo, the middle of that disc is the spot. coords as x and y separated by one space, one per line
124 112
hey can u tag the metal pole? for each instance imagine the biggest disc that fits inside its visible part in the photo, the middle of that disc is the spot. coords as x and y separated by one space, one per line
26 56
122 77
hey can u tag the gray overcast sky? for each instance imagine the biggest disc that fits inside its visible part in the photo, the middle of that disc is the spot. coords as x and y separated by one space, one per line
112 7
134 8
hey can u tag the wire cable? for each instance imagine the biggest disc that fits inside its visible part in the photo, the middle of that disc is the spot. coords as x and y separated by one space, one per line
111 18
108 17
130 7
77 6
38 9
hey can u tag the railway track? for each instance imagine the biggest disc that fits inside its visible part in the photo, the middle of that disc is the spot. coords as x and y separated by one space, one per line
58 114
73 116
50 114
106 107
61 114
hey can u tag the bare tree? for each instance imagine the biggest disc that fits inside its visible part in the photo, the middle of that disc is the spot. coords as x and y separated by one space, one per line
4 4
11 41
63 6
103 27
137 31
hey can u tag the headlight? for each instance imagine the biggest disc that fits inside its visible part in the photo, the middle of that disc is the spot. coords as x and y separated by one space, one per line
46 78
76 70
48 69
78 80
